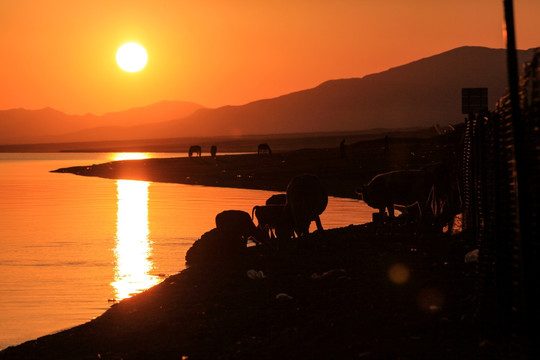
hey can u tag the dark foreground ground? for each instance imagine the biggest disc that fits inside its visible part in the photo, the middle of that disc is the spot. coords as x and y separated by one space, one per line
346 294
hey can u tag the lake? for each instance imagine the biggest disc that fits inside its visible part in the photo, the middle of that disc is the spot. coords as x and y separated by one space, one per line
71 245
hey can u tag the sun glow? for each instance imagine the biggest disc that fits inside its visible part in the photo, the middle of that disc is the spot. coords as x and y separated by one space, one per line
131 57
133 248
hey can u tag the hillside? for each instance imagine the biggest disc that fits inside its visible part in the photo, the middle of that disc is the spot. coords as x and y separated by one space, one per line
422 93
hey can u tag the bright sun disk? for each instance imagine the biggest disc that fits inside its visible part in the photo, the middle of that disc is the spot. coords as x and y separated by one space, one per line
131 57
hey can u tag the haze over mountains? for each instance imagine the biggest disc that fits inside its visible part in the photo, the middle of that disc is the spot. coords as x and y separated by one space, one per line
422 93
49 125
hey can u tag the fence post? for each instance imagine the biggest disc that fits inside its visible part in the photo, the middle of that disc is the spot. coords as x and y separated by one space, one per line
523 241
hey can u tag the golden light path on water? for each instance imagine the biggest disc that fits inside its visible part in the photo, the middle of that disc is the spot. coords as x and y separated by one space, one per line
133 249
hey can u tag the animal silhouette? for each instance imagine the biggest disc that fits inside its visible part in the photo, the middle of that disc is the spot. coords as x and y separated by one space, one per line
195 149
238 222
307 199
399 187
264 149
213 151
277 199
274 220
214 247
226 243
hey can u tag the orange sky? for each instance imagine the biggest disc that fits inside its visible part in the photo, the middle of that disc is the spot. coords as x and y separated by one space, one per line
61 53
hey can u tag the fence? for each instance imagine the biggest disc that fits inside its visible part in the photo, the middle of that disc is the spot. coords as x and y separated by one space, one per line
500 178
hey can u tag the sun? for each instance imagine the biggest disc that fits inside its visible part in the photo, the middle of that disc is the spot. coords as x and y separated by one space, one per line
131 57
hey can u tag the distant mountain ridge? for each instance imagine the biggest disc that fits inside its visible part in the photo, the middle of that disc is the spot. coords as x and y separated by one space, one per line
44 125
422 93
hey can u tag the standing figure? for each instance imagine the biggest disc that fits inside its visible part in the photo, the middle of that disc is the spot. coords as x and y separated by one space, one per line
264 149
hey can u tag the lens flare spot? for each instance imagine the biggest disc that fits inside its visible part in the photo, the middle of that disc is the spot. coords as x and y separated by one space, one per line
430 300
399 273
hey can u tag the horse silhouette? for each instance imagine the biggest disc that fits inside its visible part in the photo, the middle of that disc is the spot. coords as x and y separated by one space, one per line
195 149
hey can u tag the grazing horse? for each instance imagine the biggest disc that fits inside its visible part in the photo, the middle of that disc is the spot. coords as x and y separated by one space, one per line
213 151
195 149
264 149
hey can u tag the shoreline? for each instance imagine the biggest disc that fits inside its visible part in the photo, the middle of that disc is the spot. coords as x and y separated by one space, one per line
340 175
347 294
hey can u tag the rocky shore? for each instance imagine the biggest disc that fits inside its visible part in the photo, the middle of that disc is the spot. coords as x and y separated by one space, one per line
348 293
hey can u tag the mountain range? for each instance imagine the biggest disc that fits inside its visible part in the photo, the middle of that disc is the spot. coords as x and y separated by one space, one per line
50 125
422 93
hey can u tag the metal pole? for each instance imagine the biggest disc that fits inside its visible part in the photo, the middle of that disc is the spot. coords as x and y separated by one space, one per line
511 58
521 177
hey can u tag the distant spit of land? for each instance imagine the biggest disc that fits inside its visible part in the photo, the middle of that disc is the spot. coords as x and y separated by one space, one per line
340 173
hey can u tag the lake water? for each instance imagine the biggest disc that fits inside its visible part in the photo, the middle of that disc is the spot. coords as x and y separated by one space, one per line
71 244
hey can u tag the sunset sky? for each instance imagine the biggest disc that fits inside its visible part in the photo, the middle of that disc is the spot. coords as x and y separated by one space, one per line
61 54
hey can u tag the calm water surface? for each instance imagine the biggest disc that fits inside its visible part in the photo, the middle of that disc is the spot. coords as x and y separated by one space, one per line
70 244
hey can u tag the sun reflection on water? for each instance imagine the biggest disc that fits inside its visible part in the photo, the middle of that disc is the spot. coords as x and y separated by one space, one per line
130 156
133 248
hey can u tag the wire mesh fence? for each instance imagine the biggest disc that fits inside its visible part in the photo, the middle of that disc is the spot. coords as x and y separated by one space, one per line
500 177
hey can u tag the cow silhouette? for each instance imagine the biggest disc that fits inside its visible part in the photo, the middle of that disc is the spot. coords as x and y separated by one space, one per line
237 222
226 243
307 199
399 187
274 220
277 199
215 247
